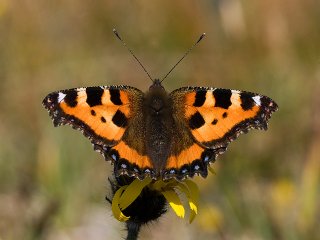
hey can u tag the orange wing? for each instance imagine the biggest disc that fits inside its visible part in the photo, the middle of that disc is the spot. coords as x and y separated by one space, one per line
102 114
217 116
214 117
192 160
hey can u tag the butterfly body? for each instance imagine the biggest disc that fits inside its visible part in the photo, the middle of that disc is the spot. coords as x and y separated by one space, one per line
151 127
159 125
159 134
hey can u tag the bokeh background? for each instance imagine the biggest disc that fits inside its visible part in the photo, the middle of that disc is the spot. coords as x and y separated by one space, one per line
52 183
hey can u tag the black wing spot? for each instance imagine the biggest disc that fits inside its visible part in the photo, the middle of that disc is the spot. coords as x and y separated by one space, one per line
196 121
115 96
103 119
94 95
200 98
120 119
247 101
224 115
222 98
71 98
215 121
93 112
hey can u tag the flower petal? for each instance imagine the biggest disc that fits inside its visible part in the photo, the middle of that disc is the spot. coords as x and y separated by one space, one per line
115 205
174 201
193 198
158 185
132 192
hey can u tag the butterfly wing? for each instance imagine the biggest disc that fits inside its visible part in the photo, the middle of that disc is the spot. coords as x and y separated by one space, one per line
101 113
214 117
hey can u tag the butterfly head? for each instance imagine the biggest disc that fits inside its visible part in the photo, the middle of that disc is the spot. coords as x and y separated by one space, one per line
157 97
156 85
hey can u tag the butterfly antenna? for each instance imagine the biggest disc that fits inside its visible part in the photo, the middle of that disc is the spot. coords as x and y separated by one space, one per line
186 53
124 44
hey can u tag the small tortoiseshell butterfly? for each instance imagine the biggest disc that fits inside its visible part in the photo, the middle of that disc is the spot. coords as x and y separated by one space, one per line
160 134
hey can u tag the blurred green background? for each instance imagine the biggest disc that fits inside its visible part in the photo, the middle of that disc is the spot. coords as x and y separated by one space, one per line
53 185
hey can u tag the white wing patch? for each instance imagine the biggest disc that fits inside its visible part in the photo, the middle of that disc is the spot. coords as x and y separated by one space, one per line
61 97
257 100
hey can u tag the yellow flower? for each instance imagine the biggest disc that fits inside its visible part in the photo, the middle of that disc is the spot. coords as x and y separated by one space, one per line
127 194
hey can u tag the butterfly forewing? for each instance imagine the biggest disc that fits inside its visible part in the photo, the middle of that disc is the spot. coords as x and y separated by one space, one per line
101 113
216 116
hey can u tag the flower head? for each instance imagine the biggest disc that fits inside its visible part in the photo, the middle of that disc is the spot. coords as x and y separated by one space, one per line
134 198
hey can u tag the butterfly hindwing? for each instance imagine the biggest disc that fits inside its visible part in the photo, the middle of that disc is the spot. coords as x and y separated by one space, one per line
190 161
130 161
216 116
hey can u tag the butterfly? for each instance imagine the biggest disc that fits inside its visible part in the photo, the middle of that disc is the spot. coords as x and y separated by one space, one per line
159 134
